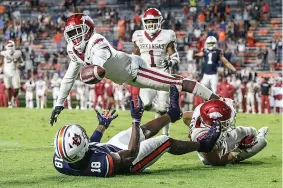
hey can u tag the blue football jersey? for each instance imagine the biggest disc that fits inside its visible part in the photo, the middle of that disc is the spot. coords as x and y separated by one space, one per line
97 162
211 58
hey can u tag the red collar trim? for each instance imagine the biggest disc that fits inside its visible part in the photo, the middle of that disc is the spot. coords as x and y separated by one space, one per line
154 36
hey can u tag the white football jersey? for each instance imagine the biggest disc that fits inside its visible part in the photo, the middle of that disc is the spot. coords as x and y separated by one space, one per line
40 86
55 82
29 85
154 49
10 60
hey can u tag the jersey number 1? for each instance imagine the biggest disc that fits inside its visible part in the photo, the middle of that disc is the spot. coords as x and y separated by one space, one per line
209 58
152 64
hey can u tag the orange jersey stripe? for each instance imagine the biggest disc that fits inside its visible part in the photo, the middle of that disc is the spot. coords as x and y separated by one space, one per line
111 165
137 167
60 141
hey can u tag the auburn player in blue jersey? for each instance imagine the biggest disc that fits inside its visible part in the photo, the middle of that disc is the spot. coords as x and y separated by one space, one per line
212 56
130 151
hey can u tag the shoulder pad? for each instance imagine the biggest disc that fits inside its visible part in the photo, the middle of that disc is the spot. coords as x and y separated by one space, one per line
136 35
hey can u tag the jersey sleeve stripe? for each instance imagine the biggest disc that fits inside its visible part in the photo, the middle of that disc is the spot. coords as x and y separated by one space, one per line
110 165
149 158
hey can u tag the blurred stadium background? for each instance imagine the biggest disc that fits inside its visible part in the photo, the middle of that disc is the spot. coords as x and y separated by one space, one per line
249 32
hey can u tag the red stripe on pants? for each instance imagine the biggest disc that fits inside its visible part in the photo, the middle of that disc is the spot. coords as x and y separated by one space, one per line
158 74
141 164
159 80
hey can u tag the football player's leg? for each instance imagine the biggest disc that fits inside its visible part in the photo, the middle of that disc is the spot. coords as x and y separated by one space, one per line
8 84
205 80
261 143
16 85
147 96
27 99
214 82
31 100
163 102
151 78
37 101
253 104
54 95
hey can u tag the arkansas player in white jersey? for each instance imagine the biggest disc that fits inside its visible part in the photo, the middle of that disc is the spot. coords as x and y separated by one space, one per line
55 85
12 60
40 89
235 144
250 97
29 87
157 47
85 47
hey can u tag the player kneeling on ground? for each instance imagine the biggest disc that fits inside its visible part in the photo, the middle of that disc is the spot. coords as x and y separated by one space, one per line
235 143
130 151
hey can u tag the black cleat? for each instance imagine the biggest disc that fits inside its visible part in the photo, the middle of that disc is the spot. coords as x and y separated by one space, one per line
174 111
210 139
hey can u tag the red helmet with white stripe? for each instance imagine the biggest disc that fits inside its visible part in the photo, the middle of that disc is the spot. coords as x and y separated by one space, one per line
154 15
78 30
215 110
71 143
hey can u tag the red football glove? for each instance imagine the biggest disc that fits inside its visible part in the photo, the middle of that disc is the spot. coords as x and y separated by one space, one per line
247 142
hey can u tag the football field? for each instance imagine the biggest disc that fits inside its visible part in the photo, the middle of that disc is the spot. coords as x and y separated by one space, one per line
26 149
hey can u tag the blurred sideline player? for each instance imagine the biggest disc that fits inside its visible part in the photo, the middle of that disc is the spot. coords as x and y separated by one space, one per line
12 60
90 96
85 47
40 91
29 87
250 97
212 56
156 46
277 94
3 100
119 97
80 94
55 85
130 151
235 144
109 87
99 91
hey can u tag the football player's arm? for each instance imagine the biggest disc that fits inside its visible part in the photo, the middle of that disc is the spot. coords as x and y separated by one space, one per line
198 55
214 159
68 82
100 55
187 117
227 63
136 49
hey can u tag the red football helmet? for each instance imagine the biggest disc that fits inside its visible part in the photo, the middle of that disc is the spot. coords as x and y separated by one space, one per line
152 14
215 110
78 30
10 46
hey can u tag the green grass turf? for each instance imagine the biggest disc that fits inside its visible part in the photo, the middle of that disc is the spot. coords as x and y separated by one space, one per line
26 149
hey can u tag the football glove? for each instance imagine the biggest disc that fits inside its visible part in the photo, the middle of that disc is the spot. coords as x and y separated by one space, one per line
247 142
166 63
106 117
137 111
55 113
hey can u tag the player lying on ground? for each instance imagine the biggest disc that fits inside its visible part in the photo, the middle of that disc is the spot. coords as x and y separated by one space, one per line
86 47
130 151
235 144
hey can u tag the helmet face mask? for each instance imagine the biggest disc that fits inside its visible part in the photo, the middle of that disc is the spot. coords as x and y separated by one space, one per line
152 21
210 43
71 143
79 28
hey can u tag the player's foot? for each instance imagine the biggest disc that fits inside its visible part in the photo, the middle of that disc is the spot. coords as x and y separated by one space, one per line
10 105
174 111
209 140
262 132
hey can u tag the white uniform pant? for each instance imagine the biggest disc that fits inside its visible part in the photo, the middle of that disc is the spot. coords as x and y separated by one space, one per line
80 96
40 99
210 81
29 99
12 80
119 98
150 150
250 102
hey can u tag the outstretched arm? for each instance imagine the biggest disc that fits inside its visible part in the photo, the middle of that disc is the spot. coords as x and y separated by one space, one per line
227 63
125 158
104 120
136 49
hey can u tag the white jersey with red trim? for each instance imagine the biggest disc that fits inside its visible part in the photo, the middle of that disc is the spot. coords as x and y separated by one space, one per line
277 93
10 61
154 49
40 87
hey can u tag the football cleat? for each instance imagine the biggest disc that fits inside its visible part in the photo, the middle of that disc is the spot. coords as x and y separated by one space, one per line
174 111
208 142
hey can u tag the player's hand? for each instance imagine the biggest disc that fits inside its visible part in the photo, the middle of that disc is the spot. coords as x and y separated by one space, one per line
167 63
136 111
55 113
247 142
106 117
